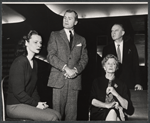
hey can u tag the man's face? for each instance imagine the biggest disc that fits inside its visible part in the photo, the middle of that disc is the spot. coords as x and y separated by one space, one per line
69 20
117 32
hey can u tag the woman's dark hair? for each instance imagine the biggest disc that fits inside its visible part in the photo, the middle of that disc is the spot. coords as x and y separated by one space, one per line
21 47
105 59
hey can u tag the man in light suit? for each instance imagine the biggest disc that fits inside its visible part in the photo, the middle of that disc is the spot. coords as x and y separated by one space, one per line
129 62
67 64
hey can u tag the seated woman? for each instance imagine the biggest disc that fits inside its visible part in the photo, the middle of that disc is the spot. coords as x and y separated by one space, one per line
22 99
110 99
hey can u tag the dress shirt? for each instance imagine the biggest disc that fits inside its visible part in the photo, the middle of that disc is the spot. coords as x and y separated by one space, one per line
68 33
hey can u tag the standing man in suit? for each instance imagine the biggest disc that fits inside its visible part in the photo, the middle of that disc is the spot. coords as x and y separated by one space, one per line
127 55
68 57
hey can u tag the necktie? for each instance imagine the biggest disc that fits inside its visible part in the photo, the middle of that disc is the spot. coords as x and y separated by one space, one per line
71 39
119 53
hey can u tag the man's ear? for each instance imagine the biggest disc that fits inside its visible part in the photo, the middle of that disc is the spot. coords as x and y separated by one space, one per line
76 22
123 32
104 68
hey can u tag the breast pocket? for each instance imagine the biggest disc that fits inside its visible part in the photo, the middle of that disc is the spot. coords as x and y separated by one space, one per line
77 51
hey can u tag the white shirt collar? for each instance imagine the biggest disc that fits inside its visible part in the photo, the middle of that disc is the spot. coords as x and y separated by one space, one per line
68 33
120 43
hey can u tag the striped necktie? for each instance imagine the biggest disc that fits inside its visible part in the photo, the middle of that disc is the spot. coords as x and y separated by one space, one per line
119 53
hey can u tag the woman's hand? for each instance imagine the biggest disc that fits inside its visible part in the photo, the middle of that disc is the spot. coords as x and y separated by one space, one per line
110 105
123 102
42 105
112 91
116 105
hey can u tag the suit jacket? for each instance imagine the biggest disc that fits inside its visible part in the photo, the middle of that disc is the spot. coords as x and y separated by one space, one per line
129 69
59 54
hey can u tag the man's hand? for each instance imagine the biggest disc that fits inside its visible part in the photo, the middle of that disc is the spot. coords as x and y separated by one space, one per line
138 87
70 77
70 73
42 105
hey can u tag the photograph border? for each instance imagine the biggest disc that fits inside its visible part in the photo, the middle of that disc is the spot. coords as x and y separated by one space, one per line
64 1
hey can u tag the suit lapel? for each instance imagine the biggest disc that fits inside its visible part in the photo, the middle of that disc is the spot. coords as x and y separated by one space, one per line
114 50
125 51
75 39
64 37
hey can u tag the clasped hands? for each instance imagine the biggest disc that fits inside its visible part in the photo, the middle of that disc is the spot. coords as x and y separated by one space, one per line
113 92
70 73
138 87
42 105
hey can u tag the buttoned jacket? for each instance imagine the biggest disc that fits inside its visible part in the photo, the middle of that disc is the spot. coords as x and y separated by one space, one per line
59 54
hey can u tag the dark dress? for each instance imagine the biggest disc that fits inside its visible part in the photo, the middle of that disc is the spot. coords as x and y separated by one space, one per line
99 92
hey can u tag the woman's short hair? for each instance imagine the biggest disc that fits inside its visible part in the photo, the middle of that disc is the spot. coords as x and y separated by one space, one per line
105 59
21 47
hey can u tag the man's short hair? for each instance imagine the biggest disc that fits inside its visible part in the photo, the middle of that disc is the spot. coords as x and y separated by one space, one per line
70 11
120 24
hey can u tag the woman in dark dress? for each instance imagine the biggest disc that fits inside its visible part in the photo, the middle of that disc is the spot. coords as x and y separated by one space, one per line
22 99
110 98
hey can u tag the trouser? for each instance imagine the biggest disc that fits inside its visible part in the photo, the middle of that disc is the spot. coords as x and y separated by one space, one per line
25 111
65 102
